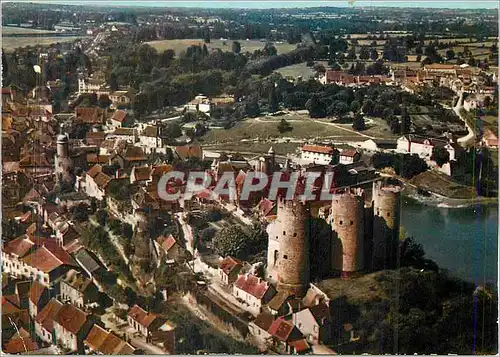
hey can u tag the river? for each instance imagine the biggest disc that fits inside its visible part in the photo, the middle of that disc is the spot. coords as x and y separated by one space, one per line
462 240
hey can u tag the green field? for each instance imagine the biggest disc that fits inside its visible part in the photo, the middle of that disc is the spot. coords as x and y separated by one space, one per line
180 45
8 30
297 70
9 44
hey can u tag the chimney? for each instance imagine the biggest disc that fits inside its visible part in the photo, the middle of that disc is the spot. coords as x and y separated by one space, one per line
118 173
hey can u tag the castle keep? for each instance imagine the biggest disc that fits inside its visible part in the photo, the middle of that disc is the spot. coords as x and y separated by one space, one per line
364 236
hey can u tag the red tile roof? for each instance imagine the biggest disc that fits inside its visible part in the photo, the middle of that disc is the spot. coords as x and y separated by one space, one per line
36 291
349 152
119 116
94 170
142 317
96 337
282 329
48 257
228 264
252 285
20 345
97 159
168 243
320 312
318 149
71 318
300 345
8 307
48 314
19 246
90 115
264 321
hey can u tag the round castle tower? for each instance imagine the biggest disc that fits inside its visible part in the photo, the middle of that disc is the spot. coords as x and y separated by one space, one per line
288 250
62 146
347 221
386 220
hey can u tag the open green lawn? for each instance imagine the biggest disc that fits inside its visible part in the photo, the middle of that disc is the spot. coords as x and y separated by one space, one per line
8 30
251 147
9 44
180 45
297 70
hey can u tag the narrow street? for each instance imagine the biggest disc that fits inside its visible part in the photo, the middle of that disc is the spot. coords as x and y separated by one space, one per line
470 136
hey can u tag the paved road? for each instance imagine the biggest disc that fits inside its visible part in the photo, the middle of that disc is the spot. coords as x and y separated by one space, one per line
470 136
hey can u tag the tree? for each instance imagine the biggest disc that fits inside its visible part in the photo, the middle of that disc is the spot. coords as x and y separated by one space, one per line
319 68
113 82
231 240
358 122
364 53
351 54
273 101
315 107
236 47
80 213
284 126
140 104
440 155
104 101
101 217
450 54
206 35
252 109
172 131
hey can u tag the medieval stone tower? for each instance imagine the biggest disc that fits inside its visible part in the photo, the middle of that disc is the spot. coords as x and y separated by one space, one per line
288 249
63 163
386 220
347 221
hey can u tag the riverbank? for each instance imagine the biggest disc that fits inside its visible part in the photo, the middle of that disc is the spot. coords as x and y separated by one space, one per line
434 199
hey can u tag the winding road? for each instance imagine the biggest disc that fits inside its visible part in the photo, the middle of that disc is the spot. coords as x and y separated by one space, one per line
470 136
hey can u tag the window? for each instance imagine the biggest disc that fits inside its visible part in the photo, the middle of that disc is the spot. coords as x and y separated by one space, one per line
295 234
352 223
340 222
388 214
284 233
285 256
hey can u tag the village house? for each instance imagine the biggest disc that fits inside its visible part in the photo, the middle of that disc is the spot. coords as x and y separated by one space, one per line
283 303
349 156
96 182
317 154
95 138
44 321
314 323
145 322
286 337
187 151
127 134
120 119
129 157
150 140
78 289
93 115
71 326
420 146
253 292
229 268
259 329
20 343
101 341
172 248
119 98
200 103
38 298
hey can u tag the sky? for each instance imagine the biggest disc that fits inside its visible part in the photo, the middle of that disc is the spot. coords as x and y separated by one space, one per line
458 4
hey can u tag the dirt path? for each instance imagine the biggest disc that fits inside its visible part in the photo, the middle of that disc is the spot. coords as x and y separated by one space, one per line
470 136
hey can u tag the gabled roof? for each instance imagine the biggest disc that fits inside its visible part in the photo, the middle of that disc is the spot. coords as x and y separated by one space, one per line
168 243
229 264
142 317
96 337
90 115
190 150
134 153
141 173
47 315
102 180
97 159
264 320
124 131
300 345
94 170
349 152
48 257
252 285
36 291
71 318
9 305
87 261
320 312
19 246
20 344
119 116
279 299
318 149
150 131
284 330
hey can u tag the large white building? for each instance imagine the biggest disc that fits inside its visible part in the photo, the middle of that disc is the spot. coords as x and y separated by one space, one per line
423 147
318 154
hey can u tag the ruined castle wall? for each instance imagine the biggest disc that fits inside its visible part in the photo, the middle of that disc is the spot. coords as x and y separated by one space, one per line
386 224
347 221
